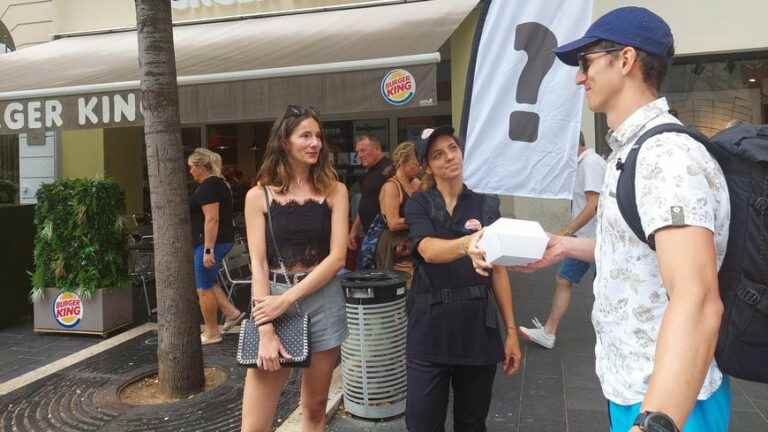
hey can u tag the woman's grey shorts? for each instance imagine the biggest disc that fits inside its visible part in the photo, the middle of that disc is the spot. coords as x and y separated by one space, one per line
327 314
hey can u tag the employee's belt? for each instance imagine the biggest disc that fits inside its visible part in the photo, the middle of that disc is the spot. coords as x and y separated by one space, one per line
474 292
444 296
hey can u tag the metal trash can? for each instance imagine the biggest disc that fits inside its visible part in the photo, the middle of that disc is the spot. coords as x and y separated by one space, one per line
373 355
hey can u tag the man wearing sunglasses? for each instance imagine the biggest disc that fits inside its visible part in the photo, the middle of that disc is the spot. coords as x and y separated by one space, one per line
657 312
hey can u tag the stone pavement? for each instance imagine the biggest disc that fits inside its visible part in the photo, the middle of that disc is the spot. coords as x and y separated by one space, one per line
84 396
557 390
22 350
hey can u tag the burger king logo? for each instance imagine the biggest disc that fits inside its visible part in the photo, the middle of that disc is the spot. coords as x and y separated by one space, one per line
68 309
398 87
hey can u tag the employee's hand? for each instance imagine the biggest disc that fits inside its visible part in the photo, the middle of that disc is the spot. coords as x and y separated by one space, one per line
208 260
474 251
553 254
352 242
266 309
513 357
564 232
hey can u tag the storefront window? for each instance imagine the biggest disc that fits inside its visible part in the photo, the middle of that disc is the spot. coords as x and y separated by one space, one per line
410 128
444 81
9 169
340 137
6 42
377 128
223 139
712 93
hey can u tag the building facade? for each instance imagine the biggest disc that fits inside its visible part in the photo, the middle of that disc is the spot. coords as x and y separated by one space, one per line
368 67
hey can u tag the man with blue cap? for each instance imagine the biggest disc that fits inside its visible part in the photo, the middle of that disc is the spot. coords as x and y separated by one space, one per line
657 307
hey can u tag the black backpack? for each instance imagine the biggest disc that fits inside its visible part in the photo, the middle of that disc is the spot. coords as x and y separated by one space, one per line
742 152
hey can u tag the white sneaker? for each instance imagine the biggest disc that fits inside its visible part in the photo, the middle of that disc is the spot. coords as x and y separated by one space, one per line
538 335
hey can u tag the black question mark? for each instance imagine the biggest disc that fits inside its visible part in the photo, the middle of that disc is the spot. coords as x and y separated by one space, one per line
538 42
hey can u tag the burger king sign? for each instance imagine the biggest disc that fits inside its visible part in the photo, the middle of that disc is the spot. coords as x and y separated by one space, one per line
398 87
68 309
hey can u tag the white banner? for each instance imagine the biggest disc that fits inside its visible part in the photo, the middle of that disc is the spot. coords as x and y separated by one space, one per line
525 112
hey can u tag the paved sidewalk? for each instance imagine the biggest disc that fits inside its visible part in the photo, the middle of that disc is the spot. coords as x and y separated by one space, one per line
85 396
557 389
22 350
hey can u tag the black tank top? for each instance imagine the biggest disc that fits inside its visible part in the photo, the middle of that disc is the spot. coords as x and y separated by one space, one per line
302 231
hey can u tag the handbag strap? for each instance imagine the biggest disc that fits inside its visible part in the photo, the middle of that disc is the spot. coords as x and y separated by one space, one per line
272 234
283 269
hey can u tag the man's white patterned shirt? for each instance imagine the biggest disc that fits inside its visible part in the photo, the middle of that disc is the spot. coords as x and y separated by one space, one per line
677 183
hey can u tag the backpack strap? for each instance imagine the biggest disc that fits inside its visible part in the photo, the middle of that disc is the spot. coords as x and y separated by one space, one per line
625 188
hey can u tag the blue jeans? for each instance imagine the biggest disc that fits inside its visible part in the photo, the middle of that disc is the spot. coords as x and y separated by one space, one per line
710 415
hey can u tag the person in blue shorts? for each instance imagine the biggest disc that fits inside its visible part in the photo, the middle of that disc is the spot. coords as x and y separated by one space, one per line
213 235
586 192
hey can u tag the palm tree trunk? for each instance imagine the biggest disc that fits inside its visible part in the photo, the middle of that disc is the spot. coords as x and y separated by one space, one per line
179 351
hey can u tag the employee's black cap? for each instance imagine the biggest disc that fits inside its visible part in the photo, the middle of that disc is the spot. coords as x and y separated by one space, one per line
428 136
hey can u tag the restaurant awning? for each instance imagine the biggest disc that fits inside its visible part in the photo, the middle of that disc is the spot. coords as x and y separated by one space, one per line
323 55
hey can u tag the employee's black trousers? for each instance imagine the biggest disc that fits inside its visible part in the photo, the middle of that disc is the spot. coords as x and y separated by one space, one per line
428 388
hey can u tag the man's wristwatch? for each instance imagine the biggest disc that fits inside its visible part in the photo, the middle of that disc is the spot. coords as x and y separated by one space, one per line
208 251
649 421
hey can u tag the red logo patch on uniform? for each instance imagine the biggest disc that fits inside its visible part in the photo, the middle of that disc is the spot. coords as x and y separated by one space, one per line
473 225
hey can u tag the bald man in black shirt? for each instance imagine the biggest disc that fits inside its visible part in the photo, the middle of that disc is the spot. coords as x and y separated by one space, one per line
380 168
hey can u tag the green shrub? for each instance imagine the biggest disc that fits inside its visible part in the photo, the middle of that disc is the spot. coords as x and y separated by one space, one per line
80 244
8 192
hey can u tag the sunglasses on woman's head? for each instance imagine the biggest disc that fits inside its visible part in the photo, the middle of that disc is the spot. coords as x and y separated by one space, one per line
298 110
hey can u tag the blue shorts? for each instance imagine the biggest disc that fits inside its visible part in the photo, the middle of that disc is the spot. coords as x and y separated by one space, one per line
573 270
710 415
205 278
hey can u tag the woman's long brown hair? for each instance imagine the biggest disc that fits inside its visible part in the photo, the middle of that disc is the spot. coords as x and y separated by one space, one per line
276 171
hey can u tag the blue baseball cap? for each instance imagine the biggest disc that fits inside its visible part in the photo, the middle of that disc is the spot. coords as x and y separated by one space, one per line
631 26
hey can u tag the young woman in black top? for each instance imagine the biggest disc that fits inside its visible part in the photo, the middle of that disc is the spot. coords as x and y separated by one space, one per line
453 335
212 232
309 209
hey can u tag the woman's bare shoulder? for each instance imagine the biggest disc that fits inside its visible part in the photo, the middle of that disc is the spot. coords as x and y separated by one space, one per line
337 193
254 199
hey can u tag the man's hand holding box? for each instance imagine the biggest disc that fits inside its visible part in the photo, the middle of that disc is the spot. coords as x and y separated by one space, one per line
513 242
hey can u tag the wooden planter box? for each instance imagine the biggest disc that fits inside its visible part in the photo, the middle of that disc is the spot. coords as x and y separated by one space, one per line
107 310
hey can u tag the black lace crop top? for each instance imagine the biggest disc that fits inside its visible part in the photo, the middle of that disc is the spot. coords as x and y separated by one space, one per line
302 231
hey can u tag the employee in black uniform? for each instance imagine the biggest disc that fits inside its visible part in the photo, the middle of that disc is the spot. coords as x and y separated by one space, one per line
454 339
